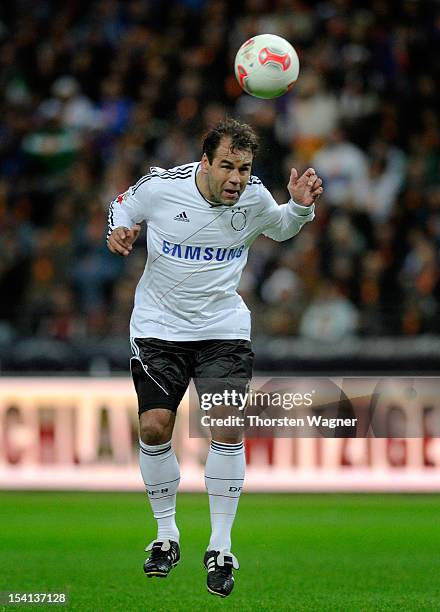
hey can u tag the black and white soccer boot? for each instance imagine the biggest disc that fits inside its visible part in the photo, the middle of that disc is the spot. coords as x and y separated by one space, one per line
220 579
163 557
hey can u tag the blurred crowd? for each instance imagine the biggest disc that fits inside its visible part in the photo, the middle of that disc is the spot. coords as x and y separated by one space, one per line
96 92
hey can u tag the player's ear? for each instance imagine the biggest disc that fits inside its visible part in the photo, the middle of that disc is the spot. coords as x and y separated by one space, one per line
204 163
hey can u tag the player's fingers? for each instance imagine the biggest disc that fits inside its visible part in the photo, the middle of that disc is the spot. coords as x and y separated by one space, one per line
315 194
114 248
316 183
293 176
121 238
110 246
122 251
118 247
120 233
308 177
310 172
125 237
131 237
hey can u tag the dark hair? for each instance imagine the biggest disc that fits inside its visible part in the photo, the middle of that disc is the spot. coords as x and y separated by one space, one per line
242 137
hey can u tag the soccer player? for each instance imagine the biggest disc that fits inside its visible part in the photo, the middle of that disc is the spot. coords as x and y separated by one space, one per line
189 321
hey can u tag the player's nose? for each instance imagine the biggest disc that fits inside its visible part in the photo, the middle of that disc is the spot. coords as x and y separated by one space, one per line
234 177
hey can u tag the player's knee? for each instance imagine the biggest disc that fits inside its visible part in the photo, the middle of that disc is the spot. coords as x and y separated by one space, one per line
155 428
154 433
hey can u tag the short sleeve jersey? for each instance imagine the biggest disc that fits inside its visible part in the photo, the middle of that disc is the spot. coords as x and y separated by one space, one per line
197 252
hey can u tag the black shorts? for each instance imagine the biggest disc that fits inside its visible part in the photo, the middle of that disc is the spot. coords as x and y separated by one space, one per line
162 370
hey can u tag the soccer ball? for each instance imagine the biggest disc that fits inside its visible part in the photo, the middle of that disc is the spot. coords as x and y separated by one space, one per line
266 66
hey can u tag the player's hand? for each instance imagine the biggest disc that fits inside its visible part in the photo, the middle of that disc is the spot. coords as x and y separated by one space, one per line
121 239
306 189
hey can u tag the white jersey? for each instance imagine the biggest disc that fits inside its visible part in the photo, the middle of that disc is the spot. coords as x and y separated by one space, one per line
197 252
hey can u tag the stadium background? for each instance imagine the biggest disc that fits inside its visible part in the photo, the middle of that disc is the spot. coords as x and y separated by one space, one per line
93 94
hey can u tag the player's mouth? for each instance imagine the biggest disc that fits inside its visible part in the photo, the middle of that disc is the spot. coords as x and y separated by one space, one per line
231 194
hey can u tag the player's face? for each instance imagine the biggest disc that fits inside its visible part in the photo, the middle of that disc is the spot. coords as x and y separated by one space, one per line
229 173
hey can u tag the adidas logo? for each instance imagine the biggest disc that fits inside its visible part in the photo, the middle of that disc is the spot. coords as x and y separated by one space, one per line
182 217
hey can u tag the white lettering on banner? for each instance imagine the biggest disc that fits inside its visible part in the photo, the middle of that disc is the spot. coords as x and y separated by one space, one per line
82 434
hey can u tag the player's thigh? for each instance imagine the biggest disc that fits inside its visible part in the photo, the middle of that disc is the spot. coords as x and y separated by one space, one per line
224 360
161 372
224 368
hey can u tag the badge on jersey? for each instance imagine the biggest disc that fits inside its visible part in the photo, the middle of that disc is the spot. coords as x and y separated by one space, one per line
238 220
121 197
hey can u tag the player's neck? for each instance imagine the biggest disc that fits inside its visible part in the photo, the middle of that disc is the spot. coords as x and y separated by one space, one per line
202 185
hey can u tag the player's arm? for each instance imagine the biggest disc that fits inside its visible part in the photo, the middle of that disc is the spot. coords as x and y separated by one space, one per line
283 222
126 212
